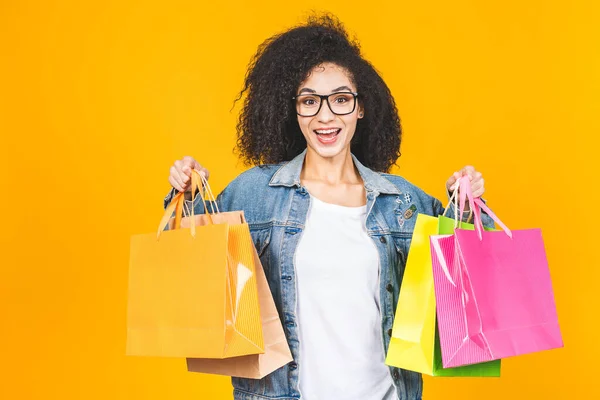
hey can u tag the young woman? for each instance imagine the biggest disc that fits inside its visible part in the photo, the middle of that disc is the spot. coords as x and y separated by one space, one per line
332 228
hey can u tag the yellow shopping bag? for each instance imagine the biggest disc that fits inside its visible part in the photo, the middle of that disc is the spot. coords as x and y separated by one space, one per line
193 292
412 343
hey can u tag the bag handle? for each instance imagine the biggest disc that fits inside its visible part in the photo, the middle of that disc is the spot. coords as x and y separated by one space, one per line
211 198
177 205
476 205
454 198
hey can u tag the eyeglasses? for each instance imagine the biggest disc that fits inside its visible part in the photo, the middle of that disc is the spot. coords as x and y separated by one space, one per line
340 103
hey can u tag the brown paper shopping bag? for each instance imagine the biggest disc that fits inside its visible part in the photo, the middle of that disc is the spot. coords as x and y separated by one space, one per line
192 292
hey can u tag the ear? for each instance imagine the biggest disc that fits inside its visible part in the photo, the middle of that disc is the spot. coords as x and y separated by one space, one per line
361 112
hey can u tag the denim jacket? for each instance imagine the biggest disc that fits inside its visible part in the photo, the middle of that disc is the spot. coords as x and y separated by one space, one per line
275 205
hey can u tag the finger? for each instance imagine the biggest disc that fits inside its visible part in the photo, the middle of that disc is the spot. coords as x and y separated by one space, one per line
189 161
176 177
479 192
477 180
176 185
184 166
196 165
183 171
451 182
203 171
478 187
452 178
468 171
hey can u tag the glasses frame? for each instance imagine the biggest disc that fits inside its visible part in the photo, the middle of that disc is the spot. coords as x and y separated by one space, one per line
325 98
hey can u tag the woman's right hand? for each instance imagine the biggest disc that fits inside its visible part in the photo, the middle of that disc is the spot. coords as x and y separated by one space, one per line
180 174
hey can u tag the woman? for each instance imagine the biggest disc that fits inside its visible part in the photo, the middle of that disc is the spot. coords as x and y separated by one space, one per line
332 228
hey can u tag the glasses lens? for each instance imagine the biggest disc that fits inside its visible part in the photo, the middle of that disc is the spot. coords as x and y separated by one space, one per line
341 103
307 104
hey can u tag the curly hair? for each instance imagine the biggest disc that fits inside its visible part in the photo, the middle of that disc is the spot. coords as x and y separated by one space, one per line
267 128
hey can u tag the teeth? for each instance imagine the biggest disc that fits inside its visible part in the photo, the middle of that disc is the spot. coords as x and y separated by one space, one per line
326 131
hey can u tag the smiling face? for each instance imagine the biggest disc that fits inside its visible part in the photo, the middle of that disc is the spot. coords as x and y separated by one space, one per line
327 134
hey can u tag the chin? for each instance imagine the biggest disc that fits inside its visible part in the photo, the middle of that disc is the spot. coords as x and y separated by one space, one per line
328 151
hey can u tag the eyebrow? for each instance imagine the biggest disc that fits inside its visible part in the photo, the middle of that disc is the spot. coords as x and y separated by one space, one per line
340 89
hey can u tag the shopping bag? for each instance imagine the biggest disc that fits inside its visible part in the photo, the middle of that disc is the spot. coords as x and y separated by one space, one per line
193 292
414 344
277 352
493 291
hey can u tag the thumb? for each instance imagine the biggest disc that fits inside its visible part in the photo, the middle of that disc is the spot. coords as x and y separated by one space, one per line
452 181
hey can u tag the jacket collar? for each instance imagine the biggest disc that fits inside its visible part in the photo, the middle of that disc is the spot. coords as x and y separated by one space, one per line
289 175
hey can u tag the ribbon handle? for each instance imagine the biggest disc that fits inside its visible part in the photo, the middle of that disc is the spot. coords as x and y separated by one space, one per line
476 205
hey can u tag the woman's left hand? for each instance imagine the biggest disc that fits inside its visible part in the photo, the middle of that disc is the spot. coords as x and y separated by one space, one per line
475 177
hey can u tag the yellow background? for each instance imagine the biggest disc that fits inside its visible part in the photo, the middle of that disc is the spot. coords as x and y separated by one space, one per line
97 99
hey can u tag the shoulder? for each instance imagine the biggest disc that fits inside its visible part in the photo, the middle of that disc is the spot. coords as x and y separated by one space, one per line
404 185
413 196
250 192
256 177
249 186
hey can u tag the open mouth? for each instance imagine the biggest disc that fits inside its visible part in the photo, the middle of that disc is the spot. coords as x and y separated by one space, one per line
327 135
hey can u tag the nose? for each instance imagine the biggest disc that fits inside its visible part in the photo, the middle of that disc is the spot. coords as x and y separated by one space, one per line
325 113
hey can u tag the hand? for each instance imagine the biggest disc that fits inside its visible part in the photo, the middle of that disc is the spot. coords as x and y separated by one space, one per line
180 176
474 176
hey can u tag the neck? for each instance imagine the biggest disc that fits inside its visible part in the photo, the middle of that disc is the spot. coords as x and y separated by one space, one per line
333 170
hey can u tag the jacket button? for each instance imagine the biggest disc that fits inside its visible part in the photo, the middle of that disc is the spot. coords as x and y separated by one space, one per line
389 287
293 366
390 332
382 239
396 374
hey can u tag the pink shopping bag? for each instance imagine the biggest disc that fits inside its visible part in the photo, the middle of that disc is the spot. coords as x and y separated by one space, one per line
493 291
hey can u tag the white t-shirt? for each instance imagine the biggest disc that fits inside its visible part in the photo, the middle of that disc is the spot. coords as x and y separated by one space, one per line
339 320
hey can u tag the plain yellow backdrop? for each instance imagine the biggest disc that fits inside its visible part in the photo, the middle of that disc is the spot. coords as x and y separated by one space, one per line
98 98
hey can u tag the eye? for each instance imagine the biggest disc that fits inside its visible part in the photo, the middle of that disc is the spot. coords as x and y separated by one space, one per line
308 101
342 98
